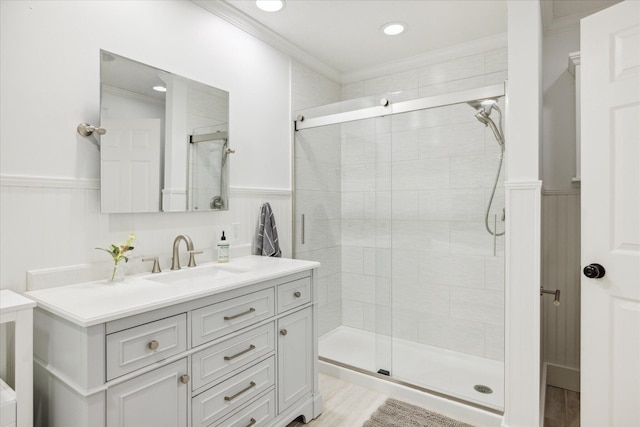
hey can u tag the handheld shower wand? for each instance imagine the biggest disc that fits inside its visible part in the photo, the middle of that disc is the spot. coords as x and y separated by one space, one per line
484 110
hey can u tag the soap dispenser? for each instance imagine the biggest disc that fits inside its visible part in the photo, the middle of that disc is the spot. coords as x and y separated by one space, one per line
223 249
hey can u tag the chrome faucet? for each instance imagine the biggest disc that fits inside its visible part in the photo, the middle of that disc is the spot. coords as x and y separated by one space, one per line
175 261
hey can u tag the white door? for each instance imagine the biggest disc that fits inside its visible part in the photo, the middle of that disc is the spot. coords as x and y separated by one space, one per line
610 353
130 165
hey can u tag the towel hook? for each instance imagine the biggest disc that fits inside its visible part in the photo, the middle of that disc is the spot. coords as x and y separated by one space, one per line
86 129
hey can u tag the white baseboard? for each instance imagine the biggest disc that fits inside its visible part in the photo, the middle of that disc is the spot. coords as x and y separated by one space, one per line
563 377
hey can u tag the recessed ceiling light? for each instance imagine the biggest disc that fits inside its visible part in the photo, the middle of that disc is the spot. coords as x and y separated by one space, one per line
394 28
270 5
160 88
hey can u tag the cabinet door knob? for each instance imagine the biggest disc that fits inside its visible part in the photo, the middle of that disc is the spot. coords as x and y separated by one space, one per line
153 345
252 421
297 294
594 271
184 379
283 332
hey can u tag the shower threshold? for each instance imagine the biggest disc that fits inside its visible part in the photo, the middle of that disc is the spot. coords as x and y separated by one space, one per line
445 373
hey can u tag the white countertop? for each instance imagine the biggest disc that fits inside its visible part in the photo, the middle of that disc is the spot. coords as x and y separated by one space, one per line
92 303
11 301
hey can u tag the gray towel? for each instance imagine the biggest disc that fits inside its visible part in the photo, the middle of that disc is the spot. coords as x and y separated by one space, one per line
267 238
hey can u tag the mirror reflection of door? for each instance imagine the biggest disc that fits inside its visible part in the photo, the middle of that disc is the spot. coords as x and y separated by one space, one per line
130 93
130 162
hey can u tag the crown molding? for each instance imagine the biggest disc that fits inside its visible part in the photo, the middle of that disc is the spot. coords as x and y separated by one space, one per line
553 25
432 57
228 13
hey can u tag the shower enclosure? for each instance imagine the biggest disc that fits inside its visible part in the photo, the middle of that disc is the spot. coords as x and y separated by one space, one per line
402 202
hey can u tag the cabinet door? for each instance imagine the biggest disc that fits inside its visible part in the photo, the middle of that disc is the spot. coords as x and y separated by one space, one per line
157 398
295 357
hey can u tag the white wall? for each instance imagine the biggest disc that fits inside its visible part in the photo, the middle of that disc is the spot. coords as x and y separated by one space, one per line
558 110
561 212
50 83
523 188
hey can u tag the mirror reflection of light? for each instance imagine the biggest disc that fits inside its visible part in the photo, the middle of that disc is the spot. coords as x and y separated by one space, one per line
160 88
270 5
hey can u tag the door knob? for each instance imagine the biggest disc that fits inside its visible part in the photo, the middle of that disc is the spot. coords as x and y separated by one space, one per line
594 271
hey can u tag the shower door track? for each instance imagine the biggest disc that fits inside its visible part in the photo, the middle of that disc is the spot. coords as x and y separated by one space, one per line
412 386
485 92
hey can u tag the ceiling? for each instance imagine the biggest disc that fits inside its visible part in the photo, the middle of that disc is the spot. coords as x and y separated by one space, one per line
343 36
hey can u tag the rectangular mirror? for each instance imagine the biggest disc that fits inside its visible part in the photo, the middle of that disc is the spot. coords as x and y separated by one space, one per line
167 142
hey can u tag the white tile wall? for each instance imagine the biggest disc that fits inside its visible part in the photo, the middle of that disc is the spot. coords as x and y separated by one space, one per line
429 174
317 169
408 253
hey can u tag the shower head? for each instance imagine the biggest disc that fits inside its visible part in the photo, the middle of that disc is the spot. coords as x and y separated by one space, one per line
484 105
484 108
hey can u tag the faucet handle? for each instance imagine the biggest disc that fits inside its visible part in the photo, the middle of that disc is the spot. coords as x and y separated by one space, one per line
192 258
156 264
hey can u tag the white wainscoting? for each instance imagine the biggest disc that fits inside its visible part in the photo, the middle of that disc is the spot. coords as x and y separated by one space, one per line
522 303
561 270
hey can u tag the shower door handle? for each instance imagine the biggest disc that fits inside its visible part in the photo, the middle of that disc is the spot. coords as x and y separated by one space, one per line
302 231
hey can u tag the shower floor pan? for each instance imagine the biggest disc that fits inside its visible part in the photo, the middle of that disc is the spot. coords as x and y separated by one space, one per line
443 371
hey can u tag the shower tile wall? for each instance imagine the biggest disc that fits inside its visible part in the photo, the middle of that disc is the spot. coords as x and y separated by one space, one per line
414 191
317 193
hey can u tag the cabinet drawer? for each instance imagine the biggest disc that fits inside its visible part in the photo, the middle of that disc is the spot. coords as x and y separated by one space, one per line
137 347
222 399
220 359
216 320
257 414
294 294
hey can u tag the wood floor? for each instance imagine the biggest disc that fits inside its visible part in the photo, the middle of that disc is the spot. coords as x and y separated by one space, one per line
349 405
345 404
562 408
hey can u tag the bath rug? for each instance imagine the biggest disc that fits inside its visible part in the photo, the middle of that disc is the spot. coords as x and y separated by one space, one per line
394 413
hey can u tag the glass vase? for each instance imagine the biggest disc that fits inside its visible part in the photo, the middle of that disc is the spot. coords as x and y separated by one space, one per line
116 274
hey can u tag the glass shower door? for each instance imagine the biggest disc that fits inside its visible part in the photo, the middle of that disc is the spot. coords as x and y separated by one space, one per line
338 222
448 303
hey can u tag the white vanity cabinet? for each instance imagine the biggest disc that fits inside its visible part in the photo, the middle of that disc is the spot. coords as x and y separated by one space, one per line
241 354
157 398
295 357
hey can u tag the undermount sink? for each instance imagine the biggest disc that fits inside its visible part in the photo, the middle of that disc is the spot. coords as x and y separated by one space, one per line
198 274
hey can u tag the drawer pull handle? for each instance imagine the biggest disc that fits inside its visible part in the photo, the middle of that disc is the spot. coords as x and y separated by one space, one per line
244 313
252 421
184 379
251 347
283 332
297 294
153 345
230 398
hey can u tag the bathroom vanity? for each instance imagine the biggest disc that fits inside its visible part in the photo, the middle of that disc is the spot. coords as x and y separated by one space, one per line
214 345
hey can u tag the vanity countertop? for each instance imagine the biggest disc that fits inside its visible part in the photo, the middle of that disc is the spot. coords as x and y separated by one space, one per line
92 303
